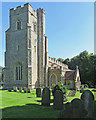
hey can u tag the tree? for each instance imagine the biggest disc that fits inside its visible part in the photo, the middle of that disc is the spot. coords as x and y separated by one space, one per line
60 59
66 61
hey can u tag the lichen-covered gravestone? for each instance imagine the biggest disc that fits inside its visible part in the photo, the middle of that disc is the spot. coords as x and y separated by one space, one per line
78 110
58 100
46 97
88 99
38 92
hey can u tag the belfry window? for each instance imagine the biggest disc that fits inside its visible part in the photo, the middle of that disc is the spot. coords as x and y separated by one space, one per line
19 25
18 72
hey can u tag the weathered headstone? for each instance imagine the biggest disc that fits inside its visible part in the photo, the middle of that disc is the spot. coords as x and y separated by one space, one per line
58 100
67 112
54 89
75 109
78 110
88 98
46 97
15 89
38 92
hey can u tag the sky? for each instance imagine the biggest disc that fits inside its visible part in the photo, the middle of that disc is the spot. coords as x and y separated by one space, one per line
69 27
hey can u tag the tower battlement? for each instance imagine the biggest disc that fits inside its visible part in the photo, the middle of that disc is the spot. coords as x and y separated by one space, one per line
21 9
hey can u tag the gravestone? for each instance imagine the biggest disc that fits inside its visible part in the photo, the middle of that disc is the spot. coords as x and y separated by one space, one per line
15 89
78 110
67 112
75 109
25 89
20 89
28 90
54 89
46 97
58 100
38 92
9 89
88 100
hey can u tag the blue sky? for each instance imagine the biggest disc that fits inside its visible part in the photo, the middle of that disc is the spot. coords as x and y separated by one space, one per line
69 27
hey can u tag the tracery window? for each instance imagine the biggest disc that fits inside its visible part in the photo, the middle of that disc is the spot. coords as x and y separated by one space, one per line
18 72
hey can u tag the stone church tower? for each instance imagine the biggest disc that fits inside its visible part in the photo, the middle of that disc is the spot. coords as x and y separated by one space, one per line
27 63
26 56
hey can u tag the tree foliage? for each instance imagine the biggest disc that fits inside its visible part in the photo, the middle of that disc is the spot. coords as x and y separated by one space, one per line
87 66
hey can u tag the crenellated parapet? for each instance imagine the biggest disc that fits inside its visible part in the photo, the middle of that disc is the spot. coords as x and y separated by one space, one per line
21 9
57 64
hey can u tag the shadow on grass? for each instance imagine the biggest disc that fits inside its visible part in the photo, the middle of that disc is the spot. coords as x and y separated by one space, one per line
30 111
22 92
51 100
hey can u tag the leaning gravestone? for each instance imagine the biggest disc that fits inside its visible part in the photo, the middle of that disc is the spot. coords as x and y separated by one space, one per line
78 110
46 97
58 100
38 92
88 98
15 89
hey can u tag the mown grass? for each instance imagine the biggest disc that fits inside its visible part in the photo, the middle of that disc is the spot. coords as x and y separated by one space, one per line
27 105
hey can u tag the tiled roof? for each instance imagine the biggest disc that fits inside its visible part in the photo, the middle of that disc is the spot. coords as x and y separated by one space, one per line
70 75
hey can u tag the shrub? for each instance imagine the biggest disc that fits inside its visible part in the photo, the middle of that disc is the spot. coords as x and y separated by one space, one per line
60 86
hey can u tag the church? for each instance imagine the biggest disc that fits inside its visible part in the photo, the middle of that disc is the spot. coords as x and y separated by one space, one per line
27 63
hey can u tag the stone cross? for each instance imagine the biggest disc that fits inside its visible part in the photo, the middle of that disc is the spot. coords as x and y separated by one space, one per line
88 98
46 97
58 100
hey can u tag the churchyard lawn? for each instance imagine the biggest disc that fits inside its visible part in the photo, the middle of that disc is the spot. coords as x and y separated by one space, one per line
27 105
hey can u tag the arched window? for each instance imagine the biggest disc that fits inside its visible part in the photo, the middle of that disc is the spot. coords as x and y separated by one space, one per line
18 72
19 25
